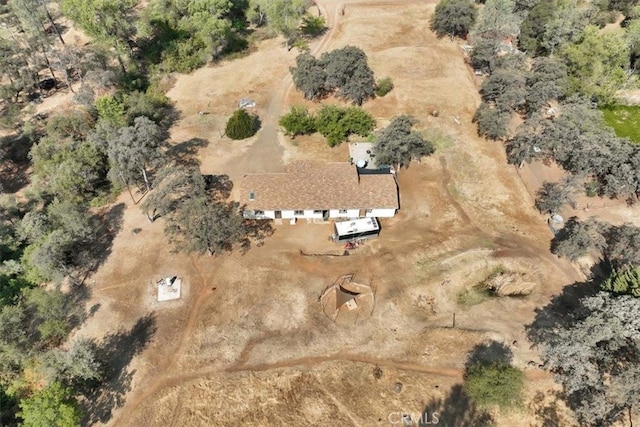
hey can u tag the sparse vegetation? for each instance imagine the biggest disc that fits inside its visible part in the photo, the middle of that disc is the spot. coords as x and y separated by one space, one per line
63 167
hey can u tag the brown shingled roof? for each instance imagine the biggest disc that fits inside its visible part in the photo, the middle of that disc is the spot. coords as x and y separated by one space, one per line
311 185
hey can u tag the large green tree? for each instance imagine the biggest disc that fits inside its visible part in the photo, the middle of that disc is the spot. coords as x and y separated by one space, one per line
454 18
597 63
398 144
344 72
337 124
281 16
52 406
623 282
111 22
309 76
136 149
593 350
175 185
348 74
490 384
298 121
205 226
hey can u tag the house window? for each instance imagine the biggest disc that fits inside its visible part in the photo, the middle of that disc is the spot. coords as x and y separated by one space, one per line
298 212
252 195
258 212
342 211
369 211
317 212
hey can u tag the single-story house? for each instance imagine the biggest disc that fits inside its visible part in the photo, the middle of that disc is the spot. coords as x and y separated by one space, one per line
316 190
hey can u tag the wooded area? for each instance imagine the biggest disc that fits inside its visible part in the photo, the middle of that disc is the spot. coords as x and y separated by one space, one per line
61 173
551 64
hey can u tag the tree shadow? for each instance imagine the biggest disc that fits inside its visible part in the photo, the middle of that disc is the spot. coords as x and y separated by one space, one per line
218 186
563 310
14 164
455 410
547 413
186 152
115 352
255 230
489 353
108 223
77 298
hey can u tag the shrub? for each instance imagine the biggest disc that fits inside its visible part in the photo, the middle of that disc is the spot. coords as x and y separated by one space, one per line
111 110
336 123
625 282
241 125
298 121
383 86
313 26
491 384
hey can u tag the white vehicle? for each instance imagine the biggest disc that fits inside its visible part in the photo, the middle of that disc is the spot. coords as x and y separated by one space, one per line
356 229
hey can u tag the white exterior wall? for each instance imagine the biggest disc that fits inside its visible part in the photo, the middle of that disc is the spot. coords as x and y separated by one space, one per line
351 213
267 215
333 213
309 214
382 213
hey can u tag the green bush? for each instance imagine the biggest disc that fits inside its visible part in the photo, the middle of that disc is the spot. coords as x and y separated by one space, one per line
183 56
489 384
298 121
625 282
241 125
336 123
313 26
384 86
111 110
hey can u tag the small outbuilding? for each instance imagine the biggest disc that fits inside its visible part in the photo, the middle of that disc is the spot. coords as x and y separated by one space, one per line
169 288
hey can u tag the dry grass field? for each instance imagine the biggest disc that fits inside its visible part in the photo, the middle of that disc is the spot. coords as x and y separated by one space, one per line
248 343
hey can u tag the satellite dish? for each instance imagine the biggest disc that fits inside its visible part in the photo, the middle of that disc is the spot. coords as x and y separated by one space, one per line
361 163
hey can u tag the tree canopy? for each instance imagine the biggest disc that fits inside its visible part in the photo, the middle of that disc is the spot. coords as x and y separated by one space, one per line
298 121
51 406
454 18
596 63
204 226
343 72
594 354
398 144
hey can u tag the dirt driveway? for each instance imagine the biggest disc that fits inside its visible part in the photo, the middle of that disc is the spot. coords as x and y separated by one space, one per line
248 342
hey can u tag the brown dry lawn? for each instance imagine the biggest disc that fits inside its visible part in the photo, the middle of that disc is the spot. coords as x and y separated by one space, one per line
248 342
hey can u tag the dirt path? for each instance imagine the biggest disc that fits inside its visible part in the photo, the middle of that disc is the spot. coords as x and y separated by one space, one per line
266 153
262 318
201 292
